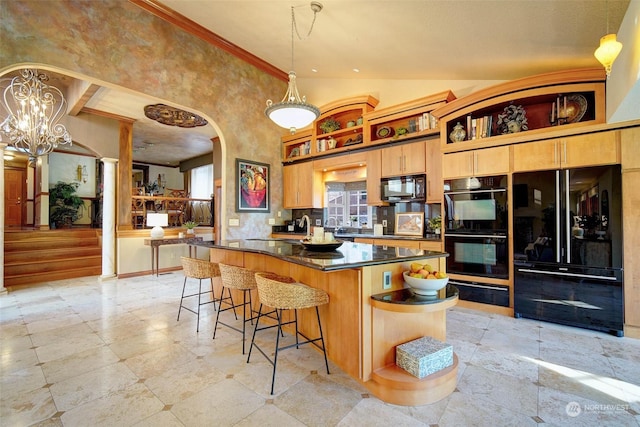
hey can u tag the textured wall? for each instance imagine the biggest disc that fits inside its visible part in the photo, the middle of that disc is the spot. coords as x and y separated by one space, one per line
116 42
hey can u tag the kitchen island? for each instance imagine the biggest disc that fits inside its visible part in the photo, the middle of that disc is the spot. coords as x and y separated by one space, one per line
361 332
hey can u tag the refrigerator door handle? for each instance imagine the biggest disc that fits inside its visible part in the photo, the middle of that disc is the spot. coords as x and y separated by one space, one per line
567 219
560 273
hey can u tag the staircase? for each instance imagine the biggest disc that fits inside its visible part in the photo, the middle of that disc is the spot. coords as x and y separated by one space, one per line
40 256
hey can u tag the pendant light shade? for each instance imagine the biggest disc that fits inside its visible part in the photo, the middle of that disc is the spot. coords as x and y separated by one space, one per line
608 51
293 112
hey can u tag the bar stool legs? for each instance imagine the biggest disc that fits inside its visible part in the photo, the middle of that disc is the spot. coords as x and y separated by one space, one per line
281 293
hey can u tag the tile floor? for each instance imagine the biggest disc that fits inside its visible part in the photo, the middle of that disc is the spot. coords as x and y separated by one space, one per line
85 353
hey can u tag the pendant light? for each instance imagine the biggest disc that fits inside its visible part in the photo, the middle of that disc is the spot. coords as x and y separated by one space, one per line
609 48
293 112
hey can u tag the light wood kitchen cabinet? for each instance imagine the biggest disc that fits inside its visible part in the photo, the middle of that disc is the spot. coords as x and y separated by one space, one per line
374 160
405 159
398 243
484 162
435 186
302 186
602 148
432 245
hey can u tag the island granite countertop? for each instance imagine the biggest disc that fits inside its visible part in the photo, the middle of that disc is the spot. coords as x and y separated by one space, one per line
349 255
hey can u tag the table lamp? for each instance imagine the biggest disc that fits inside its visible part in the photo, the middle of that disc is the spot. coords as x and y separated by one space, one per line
157 221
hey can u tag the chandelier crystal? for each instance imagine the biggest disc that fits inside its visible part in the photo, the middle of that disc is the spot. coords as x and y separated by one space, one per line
34 109
293 112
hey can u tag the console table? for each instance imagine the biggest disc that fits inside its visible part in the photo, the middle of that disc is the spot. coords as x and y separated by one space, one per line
155 248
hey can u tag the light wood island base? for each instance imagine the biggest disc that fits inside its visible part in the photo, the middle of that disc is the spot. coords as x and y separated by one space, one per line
361 333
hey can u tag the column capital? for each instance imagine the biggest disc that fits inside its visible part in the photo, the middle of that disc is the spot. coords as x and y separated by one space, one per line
108 160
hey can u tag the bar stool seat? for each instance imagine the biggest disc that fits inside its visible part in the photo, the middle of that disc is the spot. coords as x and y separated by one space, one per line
284 293
195 268
240 279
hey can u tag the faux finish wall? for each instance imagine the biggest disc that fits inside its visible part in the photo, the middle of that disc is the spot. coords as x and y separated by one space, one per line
114 42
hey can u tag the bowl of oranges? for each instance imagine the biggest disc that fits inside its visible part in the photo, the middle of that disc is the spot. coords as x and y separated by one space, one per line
424 280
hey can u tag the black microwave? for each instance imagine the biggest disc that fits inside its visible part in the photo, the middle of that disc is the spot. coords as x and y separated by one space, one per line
411 188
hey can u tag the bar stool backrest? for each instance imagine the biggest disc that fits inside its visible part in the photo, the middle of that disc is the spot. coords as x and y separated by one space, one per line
199 268
285 293
235 277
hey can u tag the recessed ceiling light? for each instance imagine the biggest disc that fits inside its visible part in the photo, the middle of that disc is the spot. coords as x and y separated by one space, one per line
314 70
356 70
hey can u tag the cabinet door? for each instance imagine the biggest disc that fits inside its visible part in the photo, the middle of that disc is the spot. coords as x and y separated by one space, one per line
591 150
431 246
398 243
539 155
392 161
434 171
373 161
457 165
413 158
491 161
290 187
298 185
406 159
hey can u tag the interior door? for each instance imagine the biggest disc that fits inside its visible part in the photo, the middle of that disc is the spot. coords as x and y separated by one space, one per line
14 181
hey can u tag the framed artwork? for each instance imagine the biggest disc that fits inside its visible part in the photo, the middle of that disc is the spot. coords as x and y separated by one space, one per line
252 184
410 223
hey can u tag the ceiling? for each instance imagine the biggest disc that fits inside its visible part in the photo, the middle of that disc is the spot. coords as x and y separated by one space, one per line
383 39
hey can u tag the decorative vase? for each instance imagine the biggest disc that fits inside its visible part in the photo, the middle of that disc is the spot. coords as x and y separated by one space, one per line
332 143
191 231
359 121
458 133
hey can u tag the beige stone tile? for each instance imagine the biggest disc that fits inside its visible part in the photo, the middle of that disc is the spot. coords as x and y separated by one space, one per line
138 344
78 363
223 403
12 328
125 407
68 346
514 394
373 412
183 380
159 359
478 411
506 362
574 357
80 389
160 419
15 361
15 344
500 339
55 336
566 409
26 407
269 416
308 400
20 381
45 325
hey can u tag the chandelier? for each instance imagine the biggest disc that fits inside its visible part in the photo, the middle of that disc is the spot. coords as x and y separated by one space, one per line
34 110
293 112
609 48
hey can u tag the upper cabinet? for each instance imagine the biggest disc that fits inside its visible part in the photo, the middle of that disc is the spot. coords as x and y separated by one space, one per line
403 159
601 148
524 110
483 162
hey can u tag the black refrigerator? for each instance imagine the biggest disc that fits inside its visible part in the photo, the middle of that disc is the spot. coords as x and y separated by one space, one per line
568 247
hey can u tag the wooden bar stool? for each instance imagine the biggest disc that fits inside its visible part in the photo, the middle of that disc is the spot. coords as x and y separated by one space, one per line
284 293
195 268
241 279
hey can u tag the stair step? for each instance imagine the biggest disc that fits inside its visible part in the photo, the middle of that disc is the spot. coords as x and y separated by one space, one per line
39 255
29 279
11 269
45 255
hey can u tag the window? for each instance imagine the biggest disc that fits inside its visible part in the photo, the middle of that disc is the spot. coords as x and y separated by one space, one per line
347 205
202 182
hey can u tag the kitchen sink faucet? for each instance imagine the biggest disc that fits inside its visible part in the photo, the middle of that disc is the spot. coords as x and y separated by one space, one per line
301 224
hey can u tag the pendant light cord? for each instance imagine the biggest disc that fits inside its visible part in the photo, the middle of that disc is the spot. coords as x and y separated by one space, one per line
294 25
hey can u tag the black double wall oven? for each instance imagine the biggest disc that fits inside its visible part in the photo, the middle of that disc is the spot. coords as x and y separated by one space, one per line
476 227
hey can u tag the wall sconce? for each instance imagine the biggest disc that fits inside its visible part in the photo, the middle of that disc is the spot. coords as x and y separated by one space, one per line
82 173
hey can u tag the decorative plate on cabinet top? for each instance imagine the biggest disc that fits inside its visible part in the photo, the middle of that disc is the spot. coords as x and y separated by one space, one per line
384 132
576 107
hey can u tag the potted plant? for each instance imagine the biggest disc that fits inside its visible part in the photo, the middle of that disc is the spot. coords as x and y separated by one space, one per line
64 204
151 188
190 225
435 224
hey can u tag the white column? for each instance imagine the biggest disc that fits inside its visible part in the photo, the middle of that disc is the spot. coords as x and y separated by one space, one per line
109 219
3 290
